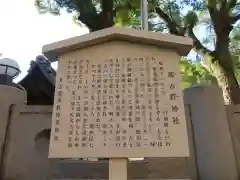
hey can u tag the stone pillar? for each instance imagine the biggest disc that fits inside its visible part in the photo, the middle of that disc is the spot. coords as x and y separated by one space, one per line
10 98
213 144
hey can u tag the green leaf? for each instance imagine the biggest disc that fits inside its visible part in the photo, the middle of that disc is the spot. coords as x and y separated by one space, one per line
202 13
191 19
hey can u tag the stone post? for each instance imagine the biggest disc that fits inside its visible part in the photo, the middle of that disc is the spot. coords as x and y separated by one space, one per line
213 144
10 97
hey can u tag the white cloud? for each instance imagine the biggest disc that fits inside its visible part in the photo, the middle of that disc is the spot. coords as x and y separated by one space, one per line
24 31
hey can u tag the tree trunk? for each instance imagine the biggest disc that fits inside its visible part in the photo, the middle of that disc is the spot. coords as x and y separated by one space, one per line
227 80
97 21
107 13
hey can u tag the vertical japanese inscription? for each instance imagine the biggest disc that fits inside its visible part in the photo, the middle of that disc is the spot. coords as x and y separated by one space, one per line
124 102
57 109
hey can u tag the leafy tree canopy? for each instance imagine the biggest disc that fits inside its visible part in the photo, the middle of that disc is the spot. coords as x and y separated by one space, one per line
193 72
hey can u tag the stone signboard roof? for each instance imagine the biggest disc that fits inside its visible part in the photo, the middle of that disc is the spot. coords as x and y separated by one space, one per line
180 44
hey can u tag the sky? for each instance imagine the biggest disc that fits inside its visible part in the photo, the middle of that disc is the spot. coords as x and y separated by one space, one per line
23 31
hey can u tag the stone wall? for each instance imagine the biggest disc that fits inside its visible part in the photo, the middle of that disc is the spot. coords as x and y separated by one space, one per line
26 157
214 143
11 99
233 112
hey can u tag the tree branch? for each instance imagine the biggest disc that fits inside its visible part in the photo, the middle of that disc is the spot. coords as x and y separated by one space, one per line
197 44
173 27
217 20
222 26
107 13
93 20
88 15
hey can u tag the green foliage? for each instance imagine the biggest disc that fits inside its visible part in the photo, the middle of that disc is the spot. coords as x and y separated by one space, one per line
190 19
194 73
47 6
125 16
90 12
234 47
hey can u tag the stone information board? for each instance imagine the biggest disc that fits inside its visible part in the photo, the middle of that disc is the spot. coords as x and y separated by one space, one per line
118 107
